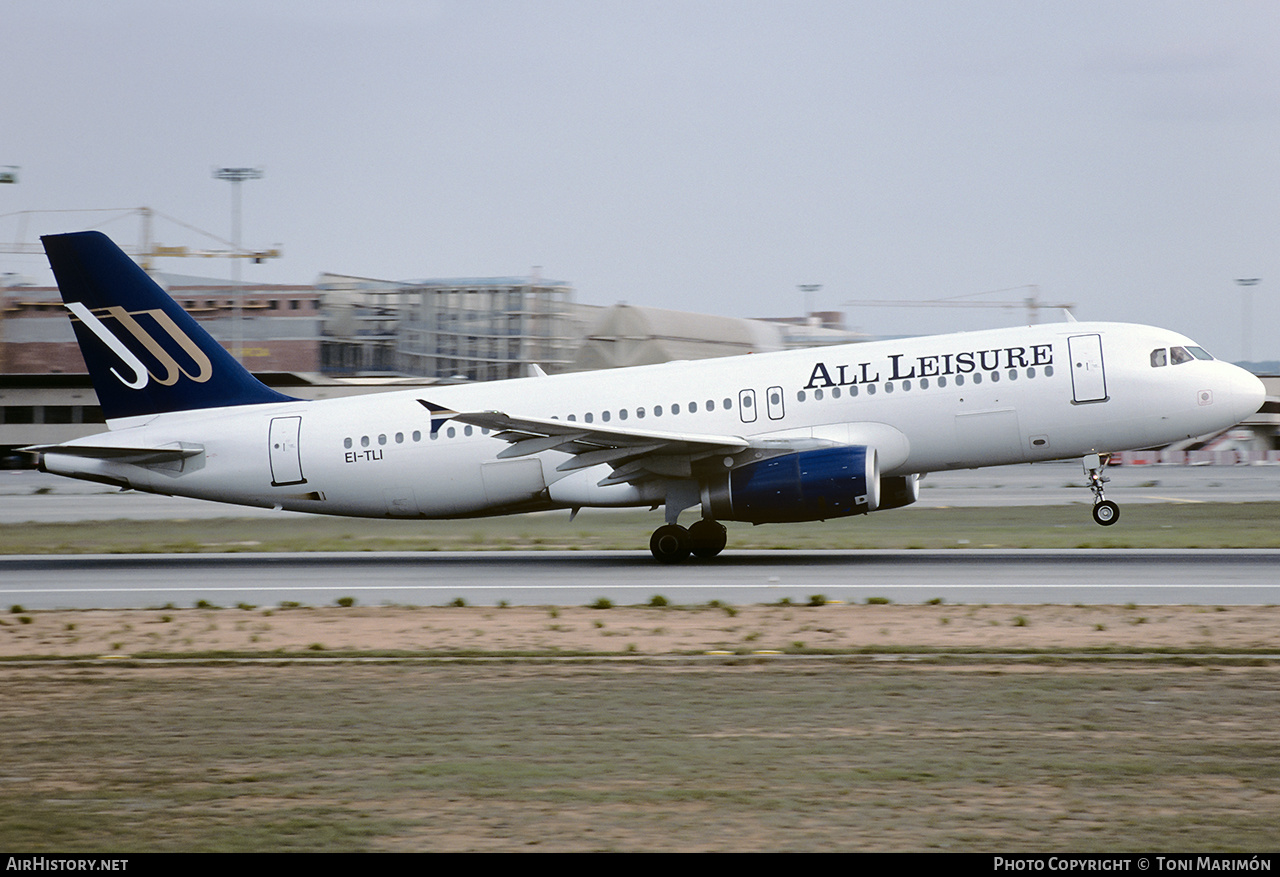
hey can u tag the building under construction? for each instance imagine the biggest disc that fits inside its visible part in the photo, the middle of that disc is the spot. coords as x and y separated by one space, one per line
478 329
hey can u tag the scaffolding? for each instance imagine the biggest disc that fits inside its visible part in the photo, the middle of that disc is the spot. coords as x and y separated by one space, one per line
483 329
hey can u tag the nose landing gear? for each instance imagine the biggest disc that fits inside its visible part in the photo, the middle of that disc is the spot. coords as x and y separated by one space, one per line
1105 512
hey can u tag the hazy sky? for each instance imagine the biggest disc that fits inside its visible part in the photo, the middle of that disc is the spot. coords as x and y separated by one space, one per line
697 154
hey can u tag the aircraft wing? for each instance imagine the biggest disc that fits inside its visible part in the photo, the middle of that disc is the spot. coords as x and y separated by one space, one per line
634 454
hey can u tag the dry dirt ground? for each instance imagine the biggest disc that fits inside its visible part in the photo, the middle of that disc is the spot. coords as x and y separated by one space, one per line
638 630
970 753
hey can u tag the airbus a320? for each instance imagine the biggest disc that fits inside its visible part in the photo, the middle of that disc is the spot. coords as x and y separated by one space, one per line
799 435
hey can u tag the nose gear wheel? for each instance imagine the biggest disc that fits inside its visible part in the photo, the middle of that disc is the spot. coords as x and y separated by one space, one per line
1105 512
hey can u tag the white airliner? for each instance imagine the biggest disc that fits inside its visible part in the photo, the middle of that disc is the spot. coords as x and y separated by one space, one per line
801 435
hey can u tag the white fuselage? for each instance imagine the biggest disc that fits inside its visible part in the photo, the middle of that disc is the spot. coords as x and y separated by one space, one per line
925 404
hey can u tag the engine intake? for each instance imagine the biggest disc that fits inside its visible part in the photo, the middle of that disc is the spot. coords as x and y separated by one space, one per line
804 486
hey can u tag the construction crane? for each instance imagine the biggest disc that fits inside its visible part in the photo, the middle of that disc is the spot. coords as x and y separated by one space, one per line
147 250
1031 302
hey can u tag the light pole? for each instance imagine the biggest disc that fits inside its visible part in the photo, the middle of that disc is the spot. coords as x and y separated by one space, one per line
235 176
808 289
1246 283
8 174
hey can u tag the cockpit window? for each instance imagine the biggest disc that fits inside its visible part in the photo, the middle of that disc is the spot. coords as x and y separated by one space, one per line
1177 355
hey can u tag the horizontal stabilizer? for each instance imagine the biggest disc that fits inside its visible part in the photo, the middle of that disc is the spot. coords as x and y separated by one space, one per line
121 453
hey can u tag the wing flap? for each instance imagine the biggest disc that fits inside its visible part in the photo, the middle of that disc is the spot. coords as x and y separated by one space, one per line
526 444
633 454
587 459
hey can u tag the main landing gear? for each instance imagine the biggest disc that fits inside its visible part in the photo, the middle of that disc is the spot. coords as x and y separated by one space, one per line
672 543
1105 512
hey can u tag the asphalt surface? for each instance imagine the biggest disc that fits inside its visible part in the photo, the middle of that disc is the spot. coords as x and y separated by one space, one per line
1115 576
575 578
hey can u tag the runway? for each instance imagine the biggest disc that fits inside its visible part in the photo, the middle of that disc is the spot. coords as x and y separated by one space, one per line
740 577
566 578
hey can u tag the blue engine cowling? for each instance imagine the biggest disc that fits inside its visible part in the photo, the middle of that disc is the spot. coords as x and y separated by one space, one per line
804 486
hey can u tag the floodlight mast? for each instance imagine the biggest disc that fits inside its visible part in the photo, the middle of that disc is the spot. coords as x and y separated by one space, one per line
1246 316
235 176
808 289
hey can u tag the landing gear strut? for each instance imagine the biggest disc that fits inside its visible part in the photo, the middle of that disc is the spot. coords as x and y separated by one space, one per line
672 543
1105 512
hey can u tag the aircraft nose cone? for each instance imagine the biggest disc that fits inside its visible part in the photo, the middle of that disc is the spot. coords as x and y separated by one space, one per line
1247 393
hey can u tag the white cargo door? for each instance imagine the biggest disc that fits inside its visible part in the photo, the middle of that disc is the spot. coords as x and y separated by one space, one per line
988 438
286 459
1088 380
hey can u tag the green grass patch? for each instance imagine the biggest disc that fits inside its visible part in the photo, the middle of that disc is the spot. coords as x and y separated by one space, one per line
1177 525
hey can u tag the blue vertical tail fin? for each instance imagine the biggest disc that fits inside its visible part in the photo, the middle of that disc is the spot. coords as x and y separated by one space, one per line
145 354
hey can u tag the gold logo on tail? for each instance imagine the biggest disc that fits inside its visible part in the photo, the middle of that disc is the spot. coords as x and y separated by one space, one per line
172 371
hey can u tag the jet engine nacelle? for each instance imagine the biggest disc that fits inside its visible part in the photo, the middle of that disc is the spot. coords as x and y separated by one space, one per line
898 491
803 486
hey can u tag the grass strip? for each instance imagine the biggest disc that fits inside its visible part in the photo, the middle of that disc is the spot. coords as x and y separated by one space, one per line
1178 525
